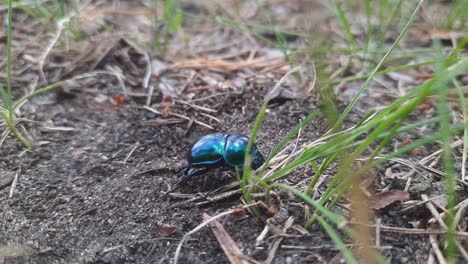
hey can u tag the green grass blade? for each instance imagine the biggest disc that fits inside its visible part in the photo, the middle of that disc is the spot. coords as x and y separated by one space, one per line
376 69
8 102
338 242
346 140
418 143
10 123
391 69
247 172
408 148
444 130
336 219
402 114
4 95
319 171
339 13
291 134
40 91
25 8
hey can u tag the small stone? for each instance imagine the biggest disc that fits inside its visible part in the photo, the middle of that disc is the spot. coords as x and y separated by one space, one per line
6 179
101 98
281 216
422 187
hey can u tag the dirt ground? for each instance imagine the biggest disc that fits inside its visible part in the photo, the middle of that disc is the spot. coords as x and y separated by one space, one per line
79 199
93 187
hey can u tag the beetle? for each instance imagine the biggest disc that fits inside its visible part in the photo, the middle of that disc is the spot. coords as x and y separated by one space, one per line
218 150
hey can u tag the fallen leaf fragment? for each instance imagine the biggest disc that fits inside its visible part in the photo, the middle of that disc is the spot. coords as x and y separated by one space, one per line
118 99
238 211
272 210
406 142
384 199
167 230
424 76
424 107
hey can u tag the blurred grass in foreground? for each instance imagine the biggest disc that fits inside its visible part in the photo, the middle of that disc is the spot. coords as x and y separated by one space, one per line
345 147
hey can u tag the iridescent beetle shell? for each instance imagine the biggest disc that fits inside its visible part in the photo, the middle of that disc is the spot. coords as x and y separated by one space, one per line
234 153
219 150
207 150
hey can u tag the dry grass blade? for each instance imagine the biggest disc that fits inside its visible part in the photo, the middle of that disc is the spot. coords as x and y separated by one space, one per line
3 137
162 122
89 54
13 184
178 115
433 211
462 211
205 223
438 218
58 128
281 160
227 65
130 153
197 107
277 240
436 249
60 26
202 199
228 245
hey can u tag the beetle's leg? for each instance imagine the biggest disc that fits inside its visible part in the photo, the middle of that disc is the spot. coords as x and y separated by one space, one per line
221 174
187 177
184 171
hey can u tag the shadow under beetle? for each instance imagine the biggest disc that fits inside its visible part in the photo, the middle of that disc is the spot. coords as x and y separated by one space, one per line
218 150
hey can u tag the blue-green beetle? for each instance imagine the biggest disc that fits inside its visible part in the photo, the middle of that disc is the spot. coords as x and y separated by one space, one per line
218 150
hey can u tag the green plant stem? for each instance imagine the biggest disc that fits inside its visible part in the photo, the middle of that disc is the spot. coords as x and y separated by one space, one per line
291 134
41 91
338 241
247 170
9 36
11 126
443 111
319 171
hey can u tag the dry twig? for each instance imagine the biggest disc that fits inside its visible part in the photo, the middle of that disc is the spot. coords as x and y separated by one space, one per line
205 223
226 242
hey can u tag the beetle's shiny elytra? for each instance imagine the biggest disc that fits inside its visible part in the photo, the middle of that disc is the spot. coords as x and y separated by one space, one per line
219 150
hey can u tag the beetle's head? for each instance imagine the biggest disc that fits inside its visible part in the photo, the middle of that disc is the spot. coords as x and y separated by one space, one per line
257 158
